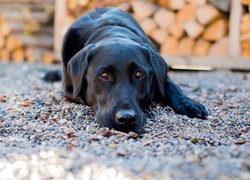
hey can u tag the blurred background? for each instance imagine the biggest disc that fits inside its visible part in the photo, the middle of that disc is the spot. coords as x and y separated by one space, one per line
191 34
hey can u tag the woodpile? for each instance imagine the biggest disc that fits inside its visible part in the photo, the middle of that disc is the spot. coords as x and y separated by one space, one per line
26 30
177 27
245 30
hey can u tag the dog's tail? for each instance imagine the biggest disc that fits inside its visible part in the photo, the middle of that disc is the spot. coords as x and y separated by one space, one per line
53 76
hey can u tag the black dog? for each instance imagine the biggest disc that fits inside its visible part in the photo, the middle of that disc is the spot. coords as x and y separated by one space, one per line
109 63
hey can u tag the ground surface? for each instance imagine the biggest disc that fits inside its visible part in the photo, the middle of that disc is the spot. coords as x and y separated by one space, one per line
43 136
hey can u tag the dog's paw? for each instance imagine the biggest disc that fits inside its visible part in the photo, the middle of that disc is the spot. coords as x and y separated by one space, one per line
191 108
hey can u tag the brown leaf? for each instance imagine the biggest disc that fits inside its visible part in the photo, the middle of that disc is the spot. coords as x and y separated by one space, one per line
3 98
106 132
241 141
71 134
26 102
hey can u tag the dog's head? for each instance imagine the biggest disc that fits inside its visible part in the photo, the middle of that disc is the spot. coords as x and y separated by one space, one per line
120 80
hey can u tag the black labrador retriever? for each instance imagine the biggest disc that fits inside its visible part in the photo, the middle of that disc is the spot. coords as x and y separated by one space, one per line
109 63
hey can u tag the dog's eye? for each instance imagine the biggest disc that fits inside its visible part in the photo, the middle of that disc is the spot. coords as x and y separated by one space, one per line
139 75
105 75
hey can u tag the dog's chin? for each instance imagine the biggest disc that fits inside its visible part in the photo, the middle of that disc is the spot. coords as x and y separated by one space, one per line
137 127
129 128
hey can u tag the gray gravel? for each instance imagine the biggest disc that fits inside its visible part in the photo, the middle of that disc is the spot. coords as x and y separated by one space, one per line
43 136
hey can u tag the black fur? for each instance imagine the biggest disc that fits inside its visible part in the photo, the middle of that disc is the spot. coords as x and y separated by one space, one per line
109 63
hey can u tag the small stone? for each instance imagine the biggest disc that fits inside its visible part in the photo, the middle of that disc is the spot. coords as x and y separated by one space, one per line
94 137
42 116
133 135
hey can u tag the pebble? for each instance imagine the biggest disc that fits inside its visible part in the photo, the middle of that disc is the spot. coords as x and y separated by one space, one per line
48 137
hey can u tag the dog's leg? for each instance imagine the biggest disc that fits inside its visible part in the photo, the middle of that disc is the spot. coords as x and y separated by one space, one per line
182 104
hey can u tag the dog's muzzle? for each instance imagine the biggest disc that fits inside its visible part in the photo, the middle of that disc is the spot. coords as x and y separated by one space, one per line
125 117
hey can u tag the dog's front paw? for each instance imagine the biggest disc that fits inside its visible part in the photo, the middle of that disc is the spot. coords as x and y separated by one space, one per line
191 108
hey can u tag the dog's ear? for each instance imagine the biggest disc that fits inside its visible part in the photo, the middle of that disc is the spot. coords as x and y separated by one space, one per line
159 67
77 68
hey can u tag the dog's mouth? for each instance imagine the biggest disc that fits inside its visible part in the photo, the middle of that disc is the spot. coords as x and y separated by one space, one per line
136 126
127 128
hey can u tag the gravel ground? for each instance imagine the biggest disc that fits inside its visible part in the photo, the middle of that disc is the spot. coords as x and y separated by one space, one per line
43 136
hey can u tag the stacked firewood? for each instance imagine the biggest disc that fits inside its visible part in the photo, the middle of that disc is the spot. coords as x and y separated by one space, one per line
26 30
245 30
177 27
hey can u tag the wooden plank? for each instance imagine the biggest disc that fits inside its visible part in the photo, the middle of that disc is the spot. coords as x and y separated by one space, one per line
214 62
234 33
60 12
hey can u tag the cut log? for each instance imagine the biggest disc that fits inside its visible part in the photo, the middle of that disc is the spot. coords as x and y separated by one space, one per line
197 3
206 14
176 29
72 4
245 24
245 37
201 48
31 27
13 42
18 55
142 9
4 54
33 55
176 4
5 29
245 2
83 3
193 29
245 48
48 57
2 41
125 6
159 35
148 25
36 41
18 6
186 46
164 18
25 1
220 48
216 30
40 17
170 46
163 3
2 19
187 13
36 54
19 28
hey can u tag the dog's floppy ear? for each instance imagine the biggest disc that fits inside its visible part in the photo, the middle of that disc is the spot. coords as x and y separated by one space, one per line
159 67
77 67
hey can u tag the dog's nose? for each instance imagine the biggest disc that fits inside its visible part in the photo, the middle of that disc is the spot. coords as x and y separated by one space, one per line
125 117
